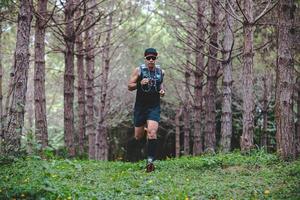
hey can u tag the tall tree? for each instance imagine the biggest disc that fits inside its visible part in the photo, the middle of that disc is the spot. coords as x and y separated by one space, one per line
17 95
249 22
41 130
297 134
226 118
177 131
29 108
248 95
69 78
1 94
198 146
267 81
90 62
102 132
29 112
80 80
285 133
187 102
212 78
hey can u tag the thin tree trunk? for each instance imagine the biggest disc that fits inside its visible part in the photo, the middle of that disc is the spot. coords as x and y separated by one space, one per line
177 131
226 118
102 137
248 97
81 86
90 62
297 135
41 131
285 133
1 95
29 112
17 96
266 99
211 89
198 146
29 108
69 78
186 108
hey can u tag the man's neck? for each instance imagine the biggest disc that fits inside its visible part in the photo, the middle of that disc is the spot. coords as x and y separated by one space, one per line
151 67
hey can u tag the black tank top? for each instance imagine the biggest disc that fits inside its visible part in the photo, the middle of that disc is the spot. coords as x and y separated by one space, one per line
148 95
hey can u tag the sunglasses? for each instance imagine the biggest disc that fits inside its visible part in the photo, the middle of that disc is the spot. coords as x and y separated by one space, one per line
151 57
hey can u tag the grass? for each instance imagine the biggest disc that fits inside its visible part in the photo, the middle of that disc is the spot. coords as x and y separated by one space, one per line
221 176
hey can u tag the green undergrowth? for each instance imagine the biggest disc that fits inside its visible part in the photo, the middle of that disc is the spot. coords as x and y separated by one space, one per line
220 176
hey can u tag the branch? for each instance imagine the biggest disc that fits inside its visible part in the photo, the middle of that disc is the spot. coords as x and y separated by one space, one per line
240 8
232 14
265 11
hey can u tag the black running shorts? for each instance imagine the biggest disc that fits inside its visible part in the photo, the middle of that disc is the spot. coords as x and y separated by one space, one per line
142 114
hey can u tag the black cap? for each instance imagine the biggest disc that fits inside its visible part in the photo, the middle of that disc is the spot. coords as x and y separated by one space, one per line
151 51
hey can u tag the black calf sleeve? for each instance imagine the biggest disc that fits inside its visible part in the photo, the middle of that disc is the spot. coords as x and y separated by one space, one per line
152 143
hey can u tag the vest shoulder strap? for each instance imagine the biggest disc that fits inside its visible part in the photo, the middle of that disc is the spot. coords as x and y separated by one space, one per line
143 70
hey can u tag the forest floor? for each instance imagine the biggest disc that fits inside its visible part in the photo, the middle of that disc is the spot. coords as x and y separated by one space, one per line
221 176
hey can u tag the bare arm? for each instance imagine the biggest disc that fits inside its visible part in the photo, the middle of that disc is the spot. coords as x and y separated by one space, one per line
132 84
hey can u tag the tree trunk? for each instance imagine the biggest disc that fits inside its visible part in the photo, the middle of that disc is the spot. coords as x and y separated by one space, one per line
69 78
29 108
17 95
186 108
29 112
102 137
177 131
297 134
41 131
211 89
81 85
90 62
266 98
198 146
1 94
248 97
285 134
226 118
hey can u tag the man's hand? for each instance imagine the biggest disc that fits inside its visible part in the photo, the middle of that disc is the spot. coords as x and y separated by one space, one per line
162 92
144 81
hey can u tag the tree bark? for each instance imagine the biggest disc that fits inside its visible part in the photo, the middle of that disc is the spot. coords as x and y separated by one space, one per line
297 134
226 118
285 133
29 113
266 99
177 131
29 108
1 94
198 146
69 78
186 108
41 131
81 85
211 89
17 94
90 62
102 137
248 97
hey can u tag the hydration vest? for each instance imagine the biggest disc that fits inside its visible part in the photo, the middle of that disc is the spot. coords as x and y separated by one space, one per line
149 93
155 78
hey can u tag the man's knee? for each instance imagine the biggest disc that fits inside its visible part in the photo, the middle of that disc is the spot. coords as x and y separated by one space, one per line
152 134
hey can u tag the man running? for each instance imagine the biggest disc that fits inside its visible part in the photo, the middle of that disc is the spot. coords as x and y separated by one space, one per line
147 79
